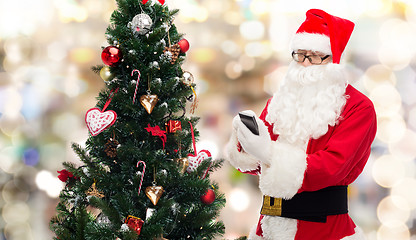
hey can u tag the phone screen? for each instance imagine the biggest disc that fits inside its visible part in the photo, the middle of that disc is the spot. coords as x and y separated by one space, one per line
250 122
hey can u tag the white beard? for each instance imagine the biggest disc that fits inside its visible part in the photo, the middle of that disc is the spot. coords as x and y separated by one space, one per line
309 100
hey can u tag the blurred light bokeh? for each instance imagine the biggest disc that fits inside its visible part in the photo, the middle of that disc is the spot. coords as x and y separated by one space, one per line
239 54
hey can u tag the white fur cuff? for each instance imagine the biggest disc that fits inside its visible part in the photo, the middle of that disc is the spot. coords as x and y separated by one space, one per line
240 160
285 175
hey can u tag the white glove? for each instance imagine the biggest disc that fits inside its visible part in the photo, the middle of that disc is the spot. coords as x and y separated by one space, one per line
256 145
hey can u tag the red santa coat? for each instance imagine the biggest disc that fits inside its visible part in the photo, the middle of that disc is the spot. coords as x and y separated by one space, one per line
336 158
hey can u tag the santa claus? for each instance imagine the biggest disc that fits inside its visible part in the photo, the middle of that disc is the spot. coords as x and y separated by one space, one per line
314 139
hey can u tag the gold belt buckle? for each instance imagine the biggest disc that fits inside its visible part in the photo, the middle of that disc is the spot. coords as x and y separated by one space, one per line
271 206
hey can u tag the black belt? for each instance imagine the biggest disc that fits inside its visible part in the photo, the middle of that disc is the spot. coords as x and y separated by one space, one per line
309 206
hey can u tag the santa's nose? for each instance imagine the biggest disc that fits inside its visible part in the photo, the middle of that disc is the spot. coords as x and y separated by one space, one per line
306 63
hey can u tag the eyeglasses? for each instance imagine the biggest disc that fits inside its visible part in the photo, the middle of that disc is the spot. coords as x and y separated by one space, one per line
313 59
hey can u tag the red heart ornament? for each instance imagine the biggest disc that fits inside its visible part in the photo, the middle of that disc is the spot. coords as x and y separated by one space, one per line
196 160
97 121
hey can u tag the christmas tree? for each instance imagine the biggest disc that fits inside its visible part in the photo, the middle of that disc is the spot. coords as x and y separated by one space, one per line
141 175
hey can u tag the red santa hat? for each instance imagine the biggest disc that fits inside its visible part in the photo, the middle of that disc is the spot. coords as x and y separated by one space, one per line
324 33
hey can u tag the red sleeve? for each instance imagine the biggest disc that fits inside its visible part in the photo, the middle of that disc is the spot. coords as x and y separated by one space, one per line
342 155
254 172
264 112
268 125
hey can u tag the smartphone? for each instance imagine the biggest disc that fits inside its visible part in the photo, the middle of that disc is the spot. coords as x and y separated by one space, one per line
250 122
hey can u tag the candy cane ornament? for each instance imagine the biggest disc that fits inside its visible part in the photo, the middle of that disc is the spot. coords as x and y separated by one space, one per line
137 84
141 181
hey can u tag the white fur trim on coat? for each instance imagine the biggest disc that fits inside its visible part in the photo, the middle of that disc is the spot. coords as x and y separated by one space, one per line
279 228
286 228
284 176
314 42
240 160
253 235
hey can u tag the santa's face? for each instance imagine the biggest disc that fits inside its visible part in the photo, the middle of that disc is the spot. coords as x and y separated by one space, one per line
309 100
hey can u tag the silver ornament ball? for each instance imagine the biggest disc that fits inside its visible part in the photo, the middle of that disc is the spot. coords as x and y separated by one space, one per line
140 24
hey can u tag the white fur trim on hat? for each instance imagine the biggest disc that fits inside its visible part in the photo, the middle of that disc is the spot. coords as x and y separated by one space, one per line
310 41
240 160
284 176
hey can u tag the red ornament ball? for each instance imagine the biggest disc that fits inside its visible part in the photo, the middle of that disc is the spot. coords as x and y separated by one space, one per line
184 45
208 197
111 56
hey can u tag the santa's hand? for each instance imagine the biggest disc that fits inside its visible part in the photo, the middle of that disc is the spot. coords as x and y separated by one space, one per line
256 145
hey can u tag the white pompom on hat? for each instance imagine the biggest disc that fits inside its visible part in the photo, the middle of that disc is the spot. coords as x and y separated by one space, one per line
322 32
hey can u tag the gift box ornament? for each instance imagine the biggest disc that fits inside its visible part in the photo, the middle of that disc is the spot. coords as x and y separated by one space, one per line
134 223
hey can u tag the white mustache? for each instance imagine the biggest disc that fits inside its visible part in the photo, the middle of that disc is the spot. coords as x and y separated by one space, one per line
312 74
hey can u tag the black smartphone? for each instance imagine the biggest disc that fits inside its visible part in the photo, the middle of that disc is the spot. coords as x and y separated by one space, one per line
250 122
